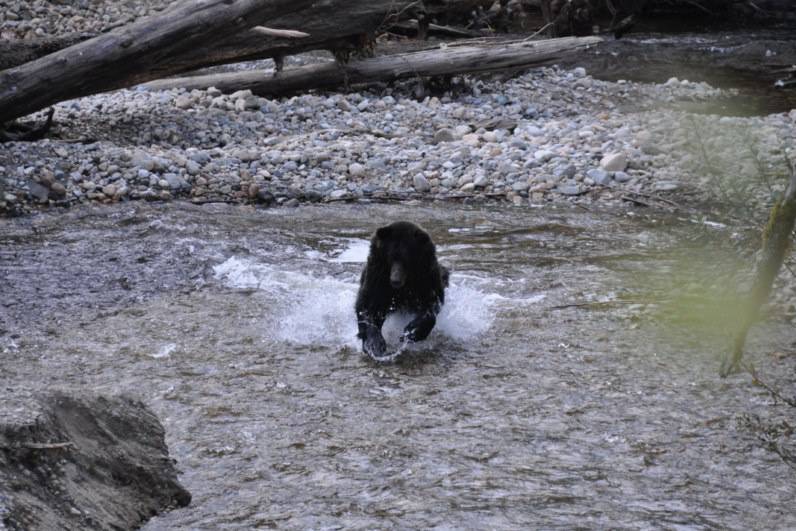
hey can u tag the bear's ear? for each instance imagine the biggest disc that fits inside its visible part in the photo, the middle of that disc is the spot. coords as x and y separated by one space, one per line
383 233
422 237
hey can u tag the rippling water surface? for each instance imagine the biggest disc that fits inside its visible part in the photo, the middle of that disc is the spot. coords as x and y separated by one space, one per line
530 406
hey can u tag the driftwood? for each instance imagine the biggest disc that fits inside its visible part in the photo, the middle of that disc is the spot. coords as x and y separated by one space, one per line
450 60
195 34
412 28
341 26
131 54
20 51
776 244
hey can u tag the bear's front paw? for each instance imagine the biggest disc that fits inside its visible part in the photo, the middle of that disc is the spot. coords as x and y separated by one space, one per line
419 328
375 346
409 335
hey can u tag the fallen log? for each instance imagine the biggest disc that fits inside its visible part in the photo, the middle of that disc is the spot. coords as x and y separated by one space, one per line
16 52
335 25
132 54
447 60
412 28
776 244
193 35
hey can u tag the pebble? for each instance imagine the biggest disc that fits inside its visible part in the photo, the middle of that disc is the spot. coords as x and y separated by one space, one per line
356 169
471 139
444 135
569 189
614 162
420 183
598 176
621 177
665 186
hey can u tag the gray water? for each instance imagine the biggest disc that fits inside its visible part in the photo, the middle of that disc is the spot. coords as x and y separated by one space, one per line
532 404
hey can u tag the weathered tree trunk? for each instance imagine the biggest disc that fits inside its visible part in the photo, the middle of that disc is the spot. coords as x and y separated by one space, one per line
331 25
131 54
17 52
776 243
439 61
192 35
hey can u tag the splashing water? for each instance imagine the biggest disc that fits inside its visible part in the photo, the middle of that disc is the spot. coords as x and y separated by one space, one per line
319 309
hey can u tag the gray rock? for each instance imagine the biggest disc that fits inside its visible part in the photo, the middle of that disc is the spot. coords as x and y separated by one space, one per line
420 183
183 102
543 155
481 181
471 139
58 190
174 181
600 177
143 160
248 103
444 135
192 167
41 193
569 189
460 130
116 467
565 171
264 196
614 162
356 169
665 186
246 155
621 177
200 157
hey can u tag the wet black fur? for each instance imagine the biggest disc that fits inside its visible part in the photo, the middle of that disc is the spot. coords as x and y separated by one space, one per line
401 273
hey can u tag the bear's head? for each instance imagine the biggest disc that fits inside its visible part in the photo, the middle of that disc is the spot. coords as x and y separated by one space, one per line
405 250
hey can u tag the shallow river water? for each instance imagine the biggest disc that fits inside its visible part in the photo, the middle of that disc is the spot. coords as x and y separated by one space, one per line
530 406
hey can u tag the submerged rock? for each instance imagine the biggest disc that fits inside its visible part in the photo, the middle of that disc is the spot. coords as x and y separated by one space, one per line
83 462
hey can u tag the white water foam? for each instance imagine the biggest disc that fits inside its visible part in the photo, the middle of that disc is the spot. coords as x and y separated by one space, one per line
164 351
313 309
355 252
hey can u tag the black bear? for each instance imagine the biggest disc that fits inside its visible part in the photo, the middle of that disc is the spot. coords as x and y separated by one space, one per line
401 273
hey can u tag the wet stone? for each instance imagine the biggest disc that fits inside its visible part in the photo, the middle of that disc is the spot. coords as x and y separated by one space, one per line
420 183
569 189
665 186
600 177
621 177
614 162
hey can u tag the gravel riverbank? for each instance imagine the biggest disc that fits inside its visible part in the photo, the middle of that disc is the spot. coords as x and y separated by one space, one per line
546 135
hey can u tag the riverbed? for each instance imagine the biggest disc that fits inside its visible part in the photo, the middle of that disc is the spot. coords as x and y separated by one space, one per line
551 394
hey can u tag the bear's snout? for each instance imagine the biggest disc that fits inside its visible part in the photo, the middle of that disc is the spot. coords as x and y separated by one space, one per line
397 275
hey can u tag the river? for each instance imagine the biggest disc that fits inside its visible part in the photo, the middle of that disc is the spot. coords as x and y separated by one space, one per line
548 396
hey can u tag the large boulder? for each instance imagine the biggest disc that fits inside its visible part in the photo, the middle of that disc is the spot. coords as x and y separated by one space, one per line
83 462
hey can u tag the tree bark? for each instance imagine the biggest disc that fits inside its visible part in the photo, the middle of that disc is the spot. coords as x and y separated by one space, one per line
440 61
135 53
776 244
332 25
16 52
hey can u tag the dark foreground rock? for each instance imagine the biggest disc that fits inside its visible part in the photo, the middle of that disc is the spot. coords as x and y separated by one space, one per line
69 462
